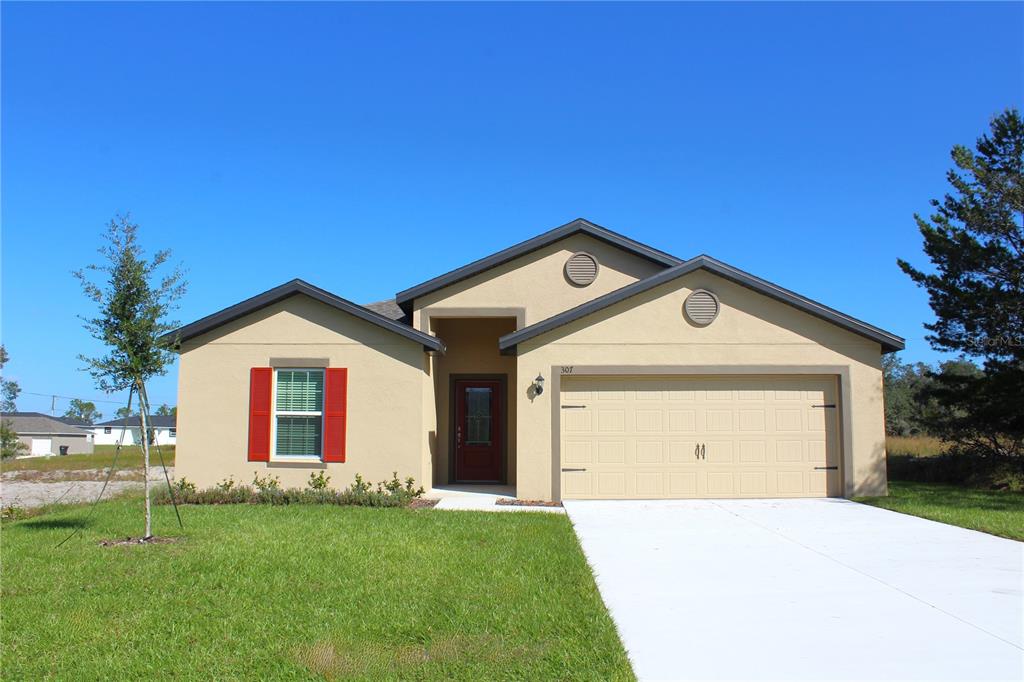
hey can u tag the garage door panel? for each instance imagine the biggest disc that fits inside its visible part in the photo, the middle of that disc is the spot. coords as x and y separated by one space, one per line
741 437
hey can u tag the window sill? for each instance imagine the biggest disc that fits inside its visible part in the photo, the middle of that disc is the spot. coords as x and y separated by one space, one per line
296 459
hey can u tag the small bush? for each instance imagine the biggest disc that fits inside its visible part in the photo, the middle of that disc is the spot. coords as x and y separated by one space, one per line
266 484
184 486
268 490
318 481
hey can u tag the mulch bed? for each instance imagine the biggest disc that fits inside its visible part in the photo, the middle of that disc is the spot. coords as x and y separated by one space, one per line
128 542
422 504
527 503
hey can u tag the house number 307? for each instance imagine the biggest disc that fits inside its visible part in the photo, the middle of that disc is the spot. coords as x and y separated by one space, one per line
566 369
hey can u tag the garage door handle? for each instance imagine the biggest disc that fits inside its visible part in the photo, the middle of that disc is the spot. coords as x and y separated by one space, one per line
573 469
696 450
703 454
826 468
574 407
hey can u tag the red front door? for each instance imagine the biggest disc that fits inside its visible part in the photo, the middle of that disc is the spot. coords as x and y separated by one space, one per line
479 431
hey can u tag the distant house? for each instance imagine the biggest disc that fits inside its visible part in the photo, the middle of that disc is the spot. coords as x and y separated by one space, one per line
126 431
46 435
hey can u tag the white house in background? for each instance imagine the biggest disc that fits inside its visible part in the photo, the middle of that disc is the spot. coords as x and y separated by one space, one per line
126 431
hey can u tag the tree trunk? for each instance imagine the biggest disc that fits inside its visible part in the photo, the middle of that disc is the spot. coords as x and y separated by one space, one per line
145 460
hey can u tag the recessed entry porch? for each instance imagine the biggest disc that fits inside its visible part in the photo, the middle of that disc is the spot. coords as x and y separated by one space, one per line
473 391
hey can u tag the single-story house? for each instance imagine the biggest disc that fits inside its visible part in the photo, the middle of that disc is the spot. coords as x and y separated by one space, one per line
126 430
577 364
45 435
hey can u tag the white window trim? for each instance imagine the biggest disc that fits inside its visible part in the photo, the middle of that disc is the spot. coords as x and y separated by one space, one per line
274 457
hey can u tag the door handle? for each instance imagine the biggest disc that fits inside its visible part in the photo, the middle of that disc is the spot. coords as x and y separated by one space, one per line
703 455
696 450
458 436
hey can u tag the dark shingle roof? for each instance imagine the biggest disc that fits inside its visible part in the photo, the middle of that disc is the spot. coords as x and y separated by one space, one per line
160 421
32 423
389 309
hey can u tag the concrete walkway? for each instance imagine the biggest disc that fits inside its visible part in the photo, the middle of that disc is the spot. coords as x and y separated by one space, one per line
481 498
804 589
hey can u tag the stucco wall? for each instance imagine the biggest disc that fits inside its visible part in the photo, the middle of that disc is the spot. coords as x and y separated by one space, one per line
77 445
534 287
386 379
752 335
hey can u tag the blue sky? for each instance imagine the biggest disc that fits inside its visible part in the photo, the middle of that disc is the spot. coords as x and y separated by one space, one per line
366 148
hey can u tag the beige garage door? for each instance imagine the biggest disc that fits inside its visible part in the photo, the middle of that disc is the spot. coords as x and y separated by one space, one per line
645 438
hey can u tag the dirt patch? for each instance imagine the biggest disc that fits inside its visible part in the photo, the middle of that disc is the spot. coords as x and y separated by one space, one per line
377 660
129 542
527 503
423 504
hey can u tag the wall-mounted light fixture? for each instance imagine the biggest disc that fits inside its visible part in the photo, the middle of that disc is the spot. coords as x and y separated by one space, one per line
538 385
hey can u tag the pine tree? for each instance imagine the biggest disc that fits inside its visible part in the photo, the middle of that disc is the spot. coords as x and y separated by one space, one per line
975 240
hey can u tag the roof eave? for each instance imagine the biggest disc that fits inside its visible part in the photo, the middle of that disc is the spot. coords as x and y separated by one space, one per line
889 342
293 288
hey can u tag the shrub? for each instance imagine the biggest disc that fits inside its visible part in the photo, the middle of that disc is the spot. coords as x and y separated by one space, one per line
268 490
183 486
318 481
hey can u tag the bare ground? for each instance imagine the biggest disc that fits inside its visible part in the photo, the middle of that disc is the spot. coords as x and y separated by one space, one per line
42 488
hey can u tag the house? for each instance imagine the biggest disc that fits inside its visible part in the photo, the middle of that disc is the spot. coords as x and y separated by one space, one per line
577 364
45 435
126 431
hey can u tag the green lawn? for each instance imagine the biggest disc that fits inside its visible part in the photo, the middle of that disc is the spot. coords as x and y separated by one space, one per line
131 456
992 511
304 592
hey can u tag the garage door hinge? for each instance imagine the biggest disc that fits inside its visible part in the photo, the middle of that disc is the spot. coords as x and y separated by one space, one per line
826 468
829 405
573 469
573 407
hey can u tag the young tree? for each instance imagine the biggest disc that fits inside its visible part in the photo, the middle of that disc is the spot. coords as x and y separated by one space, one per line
975 240
133 301
83 410
9 388
124 412
10 445
166 410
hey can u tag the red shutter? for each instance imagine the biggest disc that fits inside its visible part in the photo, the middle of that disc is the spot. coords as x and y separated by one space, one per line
335 413
261 381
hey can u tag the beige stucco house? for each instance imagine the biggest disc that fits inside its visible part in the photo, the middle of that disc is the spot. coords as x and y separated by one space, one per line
577 364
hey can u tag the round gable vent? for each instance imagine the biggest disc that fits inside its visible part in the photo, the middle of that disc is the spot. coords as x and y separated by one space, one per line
701 307
581 268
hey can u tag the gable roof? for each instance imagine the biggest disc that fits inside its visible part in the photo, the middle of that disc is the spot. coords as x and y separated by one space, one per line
578 226
159 421
889 342
293 288
37 423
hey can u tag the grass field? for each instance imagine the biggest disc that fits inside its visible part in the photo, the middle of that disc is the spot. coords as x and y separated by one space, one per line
914 446
130 457
304 592
998 512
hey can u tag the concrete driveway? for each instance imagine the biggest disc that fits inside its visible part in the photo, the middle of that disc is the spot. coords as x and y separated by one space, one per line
803 589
